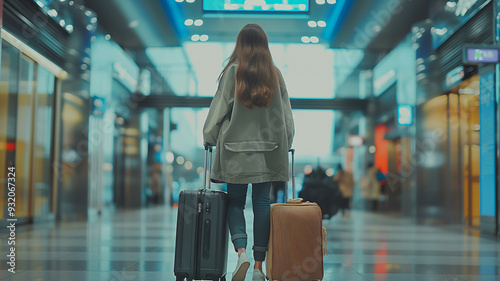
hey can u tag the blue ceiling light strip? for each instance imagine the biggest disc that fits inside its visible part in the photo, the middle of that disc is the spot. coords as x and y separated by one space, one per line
174 14
337 16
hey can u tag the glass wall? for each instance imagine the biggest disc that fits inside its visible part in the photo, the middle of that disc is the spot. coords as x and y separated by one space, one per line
8 112
26 118
42 151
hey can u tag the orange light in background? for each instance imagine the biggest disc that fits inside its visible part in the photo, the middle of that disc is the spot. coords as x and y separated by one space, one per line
308 169
381 259
382 152
10 146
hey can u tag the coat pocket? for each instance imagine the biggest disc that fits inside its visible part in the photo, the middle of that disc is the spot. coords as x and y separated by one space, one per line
251 146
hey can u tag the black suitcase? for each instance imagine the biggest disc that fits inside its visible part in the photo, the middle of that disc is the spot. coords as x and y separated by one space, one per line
202 234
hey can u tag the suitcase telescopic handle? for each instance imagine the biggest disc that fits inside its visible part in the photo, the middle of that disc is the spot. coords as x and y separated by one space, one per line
293 177
208 158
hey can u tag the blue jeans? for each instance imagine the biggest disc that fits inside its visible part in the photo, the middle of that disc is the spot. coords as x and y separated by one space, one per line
237 194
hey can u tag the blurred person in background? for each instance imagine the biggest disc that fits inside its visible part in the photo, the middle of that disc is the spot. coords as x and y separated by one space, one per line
345 182
155 184
370 187
251 123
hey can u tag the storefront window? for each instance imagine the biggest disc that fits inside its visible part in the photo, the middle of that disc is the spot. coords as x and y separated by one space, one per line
26 114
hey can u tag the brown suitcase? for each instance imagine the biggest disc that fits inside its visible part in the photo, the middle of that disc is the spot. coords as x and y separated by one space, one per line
296 241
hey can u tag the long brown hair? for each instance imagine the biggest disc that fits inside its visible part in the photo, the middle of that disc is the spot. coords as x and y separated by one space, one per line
256 75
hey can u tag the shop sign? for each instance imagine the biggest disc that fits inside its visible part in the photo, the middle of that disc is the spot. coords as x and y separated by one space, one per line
455 75
480 54
405 115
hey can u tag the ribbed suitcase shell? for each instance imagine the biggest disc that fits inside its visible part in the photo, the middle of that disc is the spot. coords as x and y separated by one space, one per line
295 243
202 235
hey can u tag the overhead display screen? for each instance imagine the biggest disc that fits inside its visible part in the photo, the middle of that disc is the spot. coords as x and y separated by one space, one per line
293 6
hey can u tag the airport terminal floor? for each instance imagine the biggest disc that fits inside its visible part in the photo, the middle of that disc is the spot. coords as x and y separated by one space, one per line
139 245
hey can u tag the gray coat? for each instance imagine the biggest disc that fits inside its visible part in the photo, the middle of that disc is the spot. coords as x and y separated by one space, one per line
251 144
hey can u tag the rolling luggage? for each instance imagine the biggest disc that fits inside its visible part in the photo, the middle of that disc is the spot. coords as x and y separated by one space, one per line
202 236
296 240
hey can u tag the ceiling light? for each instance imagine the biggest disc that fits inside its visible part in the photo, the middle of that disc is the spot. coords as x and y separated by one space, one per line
305 39
170 157
180 1
180 160
107 37
62 22
451 4
190 1
439 31
88 13
93 20
195 37
308 169
312 23
204 38
314 39
321 23
198 22
372 149
52 13
331 1
320 2
188 22
69 28
377 28
329 172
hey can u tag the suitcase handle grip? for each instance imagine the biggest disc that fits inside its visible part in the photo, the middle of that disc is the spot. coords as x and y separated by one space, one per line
208 149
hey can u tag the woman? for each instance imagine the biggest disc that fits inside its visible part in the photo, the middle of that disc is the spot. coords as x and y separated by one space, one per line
250 122
346 185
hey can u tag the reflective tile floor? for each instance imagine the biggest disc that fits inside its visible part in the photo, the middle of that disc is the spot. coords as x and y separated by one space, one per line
139 245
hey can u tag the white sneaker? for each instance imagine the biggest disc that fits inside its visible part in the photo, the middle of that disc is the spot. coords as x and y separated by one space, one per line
258 275
241 268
